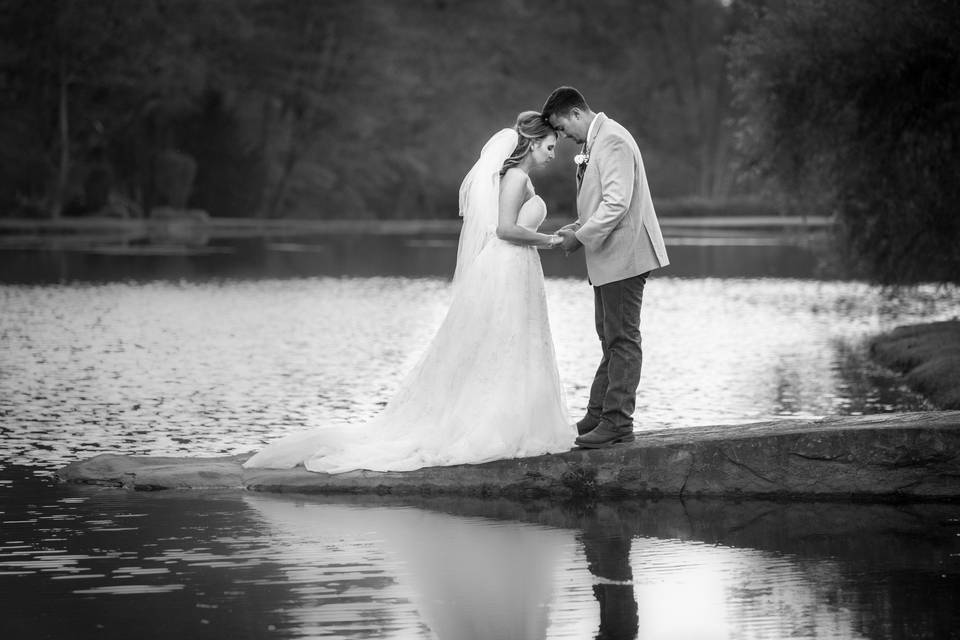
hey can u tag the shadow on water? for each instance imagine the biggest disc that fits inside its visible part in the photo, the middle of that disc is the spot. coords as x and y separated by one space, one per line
85 563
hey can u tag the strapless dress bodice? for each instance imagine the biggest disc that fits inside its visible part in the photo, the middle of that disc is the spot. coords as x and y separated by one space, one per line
532 213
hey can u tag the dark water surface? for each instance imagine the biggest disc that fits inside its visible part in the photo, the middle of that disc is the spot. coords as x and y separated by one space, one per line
377 255
120 351
87 563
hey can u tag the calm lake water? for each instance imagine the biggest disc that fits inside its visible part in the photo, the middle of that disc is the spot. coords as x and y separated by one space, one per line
104 351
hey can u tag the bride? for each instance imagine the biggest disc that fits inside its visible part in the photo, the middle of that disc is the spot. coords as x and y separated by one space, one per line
487 387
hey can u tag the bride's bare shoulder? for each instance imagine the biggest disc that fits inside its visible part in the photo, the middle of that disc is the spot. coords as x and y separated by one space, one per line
515 180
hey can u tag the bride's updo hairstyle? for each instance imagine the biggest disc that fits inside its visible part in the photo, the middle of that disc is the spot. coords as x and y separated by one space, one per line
530 127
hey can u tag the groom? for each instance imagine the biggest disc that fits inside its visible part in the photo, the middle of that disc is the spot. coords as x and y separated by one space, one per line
623 244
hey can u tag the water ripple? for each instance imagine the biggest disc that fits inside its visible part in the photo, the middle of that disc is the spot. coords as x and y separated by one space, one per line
223 367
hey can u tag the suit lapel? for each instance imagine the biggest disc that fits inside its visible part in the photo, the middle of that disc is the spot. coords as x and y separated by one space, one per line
587 147
581 168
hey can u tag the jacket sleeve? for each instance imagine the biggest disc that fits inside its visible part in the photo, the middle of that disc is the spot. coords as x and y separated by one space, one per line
615 163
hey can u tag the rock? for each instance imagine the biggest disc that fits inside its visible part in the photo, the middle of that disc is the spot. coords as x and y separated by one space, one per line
146 474
885 456
188 227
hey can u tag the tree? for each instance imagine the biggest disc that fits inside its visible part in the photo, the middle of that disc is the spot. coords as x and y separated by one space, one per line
107 77
343 108
299 58
672 67
53 50
852 108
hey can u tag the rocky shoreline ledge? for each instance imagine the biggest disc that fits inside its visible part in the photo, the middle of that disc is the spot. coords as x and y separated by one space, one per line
906 456
928 356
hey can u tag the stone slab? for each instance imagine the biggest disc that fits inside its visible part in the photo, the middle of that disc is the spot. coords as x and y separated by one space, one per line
906 456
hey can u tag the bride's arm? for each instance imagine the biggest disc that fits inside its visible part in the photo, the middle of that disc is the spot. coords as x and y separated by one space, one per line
513 189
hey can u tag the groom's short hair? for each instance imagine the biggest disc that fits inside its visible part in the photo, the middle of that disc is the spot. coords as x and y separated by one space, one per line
561 101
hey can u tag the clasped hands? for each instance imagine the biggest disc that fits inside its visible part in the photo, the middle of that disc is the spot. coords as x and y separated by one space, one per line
565 239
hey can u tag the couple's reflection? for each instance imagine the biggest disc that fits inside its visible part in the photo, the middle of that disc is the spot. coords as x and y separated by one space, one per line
606 540
461 576
459 568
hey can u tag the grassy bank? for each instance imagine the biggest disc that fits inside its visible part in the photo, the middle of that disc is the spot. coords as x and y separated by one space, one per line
929 357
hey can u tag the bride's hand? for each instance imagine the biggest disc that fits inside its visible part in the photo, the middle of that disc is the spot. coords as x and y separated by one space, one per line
553 242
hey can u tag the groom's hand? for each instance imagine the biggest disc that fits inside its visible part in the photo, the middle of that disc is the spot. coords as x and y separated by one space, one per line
568 241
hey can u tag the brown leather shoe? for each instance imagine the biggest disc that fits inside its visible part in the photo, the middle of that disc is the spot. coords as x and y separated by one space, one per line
604 436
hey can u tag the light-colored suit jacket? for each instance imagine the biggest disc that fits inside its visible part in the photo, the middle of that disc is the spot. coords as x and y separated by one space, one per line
619 228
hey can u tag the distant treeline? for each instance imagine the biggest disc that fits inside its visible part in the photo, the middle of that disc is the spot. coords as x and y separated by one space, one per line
340 108
853 109
376 108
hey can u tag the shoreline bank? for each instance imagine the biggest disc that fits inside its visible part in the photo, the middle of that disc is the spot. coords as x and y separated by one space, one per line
928 357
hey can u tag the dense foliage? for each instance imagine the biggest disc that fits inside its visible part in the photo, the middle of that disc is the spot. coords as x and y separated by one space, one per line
854 108
340 108
369 108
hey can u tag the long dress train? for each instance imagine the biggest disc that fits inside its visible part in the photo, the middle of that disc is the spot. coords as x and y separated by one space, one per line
486 388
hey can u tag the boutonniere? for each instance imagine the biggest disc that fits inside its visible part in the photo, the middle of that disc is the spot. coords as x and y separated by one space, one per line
581 158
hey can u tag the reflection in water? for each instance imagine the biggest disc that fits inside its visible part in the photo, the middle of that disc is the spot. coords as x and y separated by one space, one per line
709 592
461 577
606 541
86 563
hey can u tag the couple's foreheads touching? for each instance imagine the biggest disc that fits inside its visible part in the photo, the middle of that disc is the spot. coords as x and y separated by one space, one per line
565 114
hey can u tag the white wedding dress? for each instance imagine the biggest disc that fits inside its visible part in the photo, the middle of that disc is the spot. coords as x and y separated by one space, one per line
487 387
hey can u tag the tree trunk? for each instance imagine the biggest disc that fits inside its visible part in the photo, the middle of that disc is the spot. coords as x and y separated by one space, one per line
60 191
263 150
289 162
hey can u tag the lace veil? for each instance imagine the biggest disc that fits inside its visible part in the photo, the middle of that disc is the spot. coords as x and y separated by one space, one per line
480 199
